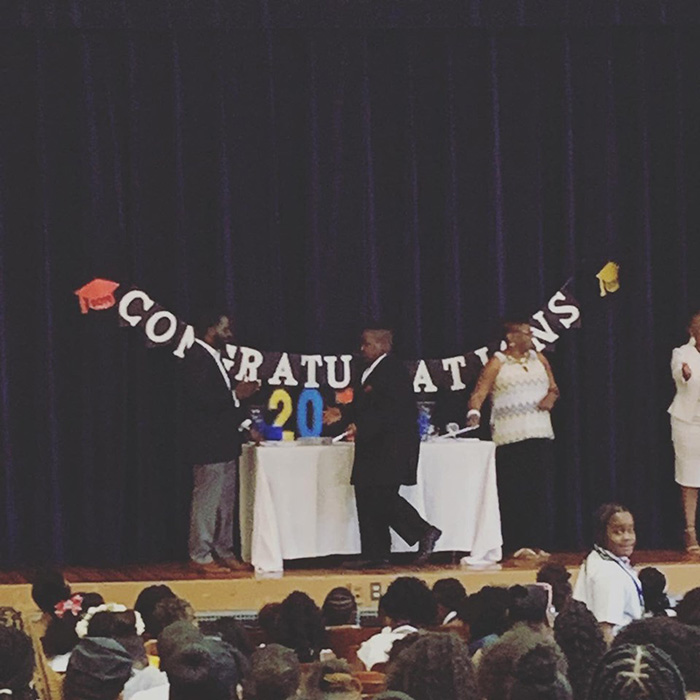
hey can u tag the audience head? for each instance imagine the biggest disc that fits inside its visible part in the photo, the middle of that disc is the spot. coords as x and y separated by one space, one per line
16 662
274 675
580 638
529 604
235 636
146 604
613 529
332 680
204 669
60 636
536 677
688 609
175 637
339 608
681 642
408 600
300 626
124 626
234 633
486 612
436 666
392 695
636 672
168 610
449 594
654 590
268 617
497 668
48 588
98 669
557 577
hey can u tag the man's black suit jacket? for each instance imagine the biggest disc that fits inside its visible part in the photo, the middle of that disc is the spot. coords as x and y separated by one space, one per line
385 413
211 416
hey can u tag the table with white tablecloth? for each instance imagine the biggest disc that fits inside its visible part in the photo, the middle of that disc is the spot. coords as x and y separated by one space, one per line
297 502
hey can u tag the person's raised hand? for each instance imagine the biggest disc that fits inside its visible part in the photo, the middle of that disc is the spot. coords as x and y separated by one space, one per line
473 420
351 431
685 369
244 390
331 415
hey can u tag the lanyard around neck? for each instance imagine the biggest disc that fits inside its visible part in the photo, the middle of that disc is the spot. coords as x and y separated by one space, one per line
609 556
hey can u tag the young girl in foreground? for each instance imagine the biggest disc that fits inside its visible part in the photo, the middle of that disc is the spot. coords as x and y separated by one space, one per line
607 583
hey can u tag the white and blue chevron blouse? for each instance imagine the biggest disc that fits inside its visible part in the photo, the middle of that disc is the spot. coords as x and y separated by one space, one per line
518 388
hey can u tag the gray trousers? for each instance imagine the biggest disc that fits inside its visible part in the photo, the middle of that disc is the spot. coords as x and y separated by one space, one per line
212 515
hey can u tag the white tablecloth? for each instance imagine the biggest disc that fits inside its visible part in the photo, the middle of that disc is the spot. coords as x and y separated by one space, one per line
297 501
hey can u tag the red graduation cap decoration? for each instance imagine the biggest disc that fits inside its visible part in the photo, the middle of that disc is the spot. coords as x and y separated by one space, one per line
98 295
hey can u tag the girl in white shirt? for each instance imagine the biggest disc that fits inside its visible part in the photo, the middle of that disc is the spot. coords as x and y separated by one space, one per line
607 583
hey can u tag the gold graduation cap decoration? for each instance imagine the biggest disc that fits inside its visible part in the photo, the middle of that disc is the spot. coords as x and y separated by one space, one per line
98 295
608 278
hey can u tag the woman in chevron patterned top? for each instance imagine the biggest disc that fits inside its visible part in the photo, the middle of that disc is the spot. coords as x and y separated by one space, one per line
523 392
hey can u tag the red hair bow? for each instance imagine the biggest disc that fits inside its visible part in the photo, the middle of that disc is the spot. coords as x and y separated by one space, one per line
74 605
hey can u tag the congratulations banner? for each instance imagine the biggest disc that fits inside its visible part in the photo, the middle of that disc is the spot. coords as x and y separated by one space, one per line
161 327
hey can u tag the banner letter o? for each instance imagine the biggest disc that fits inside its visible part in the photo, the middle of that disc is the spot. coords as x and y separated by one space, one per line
169 333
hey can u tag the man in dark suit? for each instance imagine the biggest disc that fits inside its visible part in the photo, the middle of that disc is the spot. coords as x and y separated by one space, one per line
213 419
384 422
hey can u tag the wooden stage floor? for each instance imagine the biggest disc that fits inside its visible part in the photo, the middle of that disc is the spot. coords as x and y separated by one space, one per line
246 591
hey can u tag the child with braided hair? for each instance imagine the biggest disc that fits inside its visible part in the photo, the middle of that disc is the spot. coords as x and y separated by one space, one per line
339 608
681 642
607 583
636 672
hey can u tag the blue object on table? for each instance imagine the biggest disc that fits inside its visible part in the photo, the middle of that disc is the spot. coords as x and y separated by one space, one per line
272 432
425 419
256 415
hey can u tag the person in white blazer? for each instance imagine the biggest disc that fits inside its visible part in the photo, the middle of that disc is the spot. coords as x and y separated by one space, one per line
685 428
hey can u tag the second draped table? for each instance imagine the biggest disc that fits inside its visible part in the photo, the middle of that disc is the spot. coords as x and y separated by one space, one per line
297 501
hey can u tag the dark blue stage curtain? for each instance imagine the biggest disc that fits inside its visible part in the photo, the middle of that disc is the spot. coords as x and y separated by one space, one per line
314 164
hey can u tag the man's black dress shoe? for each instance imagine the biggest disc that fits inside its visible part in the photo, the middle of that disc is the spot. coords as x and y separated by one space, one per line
426 545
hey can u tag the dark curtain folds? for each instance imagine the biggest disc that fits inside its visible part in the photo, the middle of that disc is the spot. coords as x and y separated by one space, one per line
315 165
